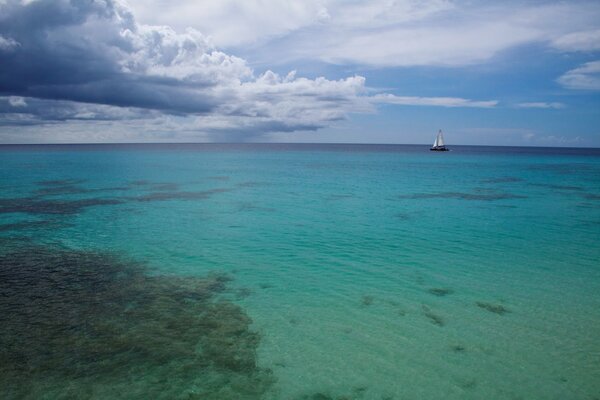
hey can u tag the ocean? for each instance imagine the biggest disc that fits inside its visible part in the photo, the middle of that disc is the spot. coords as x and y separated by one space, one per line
298 271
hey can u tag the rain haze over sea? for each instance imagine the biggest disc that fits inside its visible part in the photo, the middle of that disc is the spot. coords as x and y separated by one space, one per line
313 272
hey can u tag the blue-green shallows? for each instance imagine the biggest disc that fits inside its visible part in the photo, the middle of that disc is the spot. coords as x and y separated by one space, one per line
299 272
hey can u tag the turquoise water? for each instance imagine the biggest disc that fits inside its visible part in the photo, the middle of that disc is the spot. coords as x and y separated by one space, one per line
324 272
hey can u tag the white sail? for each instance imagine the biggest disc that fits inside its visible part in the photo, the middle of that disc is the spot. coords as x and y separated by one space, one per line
439 141
438 145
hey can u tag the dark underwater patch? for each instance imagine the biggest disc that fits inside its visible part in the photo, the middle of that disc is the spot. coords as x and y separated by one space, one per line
493 308
340 196
264 285
242 293
60 187
505 179
164 196
165 187
367 300
61 182
81 324
559 187
251 184
41 205
357 393
60 190
251 206
73 189
26 225
156 186
440 292
433 317
489 196
403 216
36 205
458 348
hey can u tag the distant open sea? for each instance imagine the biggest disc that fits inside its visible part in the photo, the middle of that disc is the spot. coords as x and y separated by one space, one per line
297 271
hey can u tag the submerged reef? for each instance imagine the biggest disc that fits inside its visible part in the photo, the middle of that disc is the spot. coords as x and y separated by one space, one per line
458 348
70 186
33 225
367 300
44 200
478 195
493 308
433 318
505 179
82 324
440 292
559 187
357 393
38 205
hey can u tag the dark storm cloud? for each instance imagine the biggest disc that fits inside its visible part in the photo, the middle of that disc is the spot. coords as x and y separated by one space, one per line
21 111
47 54
78 50
73 62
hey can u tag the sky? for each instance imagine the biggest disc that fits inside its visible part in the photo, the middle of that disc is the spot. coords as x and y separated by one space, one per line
522 73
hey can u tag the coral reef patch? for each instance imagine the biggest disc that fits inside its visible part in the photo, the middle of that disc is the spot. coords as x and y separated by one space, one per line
440 292
367 300
43 201
505 179
433 318
493 308
485 196
85 324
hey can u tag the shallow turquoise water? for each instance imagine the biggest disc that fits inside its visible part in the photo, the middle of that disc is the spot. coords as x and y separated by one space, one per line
369 272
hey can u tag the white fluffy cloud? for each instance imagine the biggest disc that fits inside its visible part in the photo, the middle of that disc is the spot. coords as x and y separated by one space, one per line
585 77
579 41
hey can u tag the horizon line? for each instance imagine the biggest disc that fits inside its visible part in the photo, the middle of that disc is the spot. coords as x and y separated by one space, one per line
286 143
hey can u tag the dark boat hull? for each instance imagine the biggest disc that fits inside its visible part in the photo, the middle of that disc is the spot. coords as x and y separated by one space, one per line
439 148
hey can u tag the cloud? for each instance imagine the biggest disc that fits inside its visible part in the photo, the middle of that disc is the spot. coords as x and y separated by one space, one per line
382 32
585 77
247 21
432 101
91 66
579 41
8 44
540 104
19 111
90 61
17 101
94 52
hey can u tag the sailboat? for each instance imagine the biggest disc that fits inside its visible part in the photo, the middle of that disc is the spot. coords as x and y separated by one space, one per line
438 145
